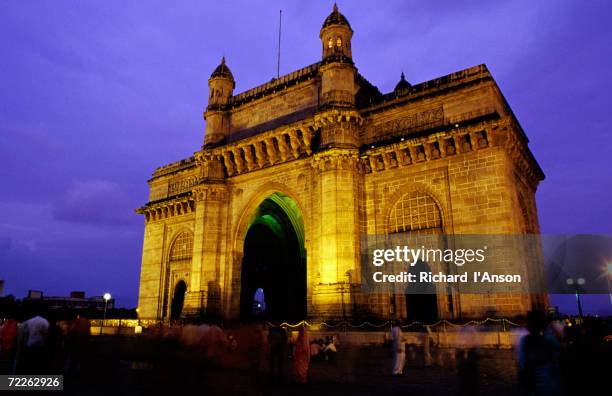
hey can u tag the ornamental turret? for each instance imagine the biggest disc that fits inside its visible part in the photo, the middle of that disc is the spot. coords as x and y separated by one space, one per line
337 71
221 87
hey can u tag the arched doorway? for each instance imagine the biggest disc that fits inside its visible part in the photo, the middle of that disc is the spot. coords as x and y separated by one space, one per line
178 264
178 299
274 261
421 299
417 215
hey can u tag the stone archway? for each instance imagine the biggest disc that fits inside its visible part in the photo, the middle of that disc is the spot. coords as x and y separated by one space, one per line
274 260
421 298
178 300
417 214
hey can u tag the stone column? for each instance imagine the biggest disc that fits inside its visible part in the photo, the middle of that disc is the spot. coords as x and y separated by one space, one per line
337 170
209 247
151 275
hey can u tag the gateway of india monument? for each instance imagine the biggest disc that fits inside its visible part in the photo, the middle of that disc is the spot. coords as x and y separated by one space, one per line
266 218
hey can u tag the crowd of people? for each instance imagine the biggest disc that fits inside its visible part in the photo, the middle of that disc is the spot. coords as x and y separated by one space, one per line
42 345
553 356
324 349
564 356
266 348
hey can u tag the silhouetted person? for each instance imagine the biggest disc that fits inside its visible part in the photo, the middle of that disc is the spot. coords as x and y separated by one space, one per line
316 349
538 366
301 356
466 358
329 348
55 347
277 341
256 351
587 359
8 345
77 344
32 350
399 348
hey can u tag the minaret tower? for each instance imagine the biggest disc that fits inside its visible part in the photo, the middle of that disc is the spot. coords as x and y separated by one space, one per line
221 85
337 170
337 69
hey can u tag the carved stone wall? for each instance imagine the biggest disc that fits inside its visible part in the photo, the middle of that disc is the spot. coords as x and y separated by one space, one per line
452 139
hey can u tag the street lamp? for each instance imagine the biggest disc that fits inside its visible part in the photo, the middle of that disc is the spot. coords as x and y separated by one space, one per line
106 297
577 283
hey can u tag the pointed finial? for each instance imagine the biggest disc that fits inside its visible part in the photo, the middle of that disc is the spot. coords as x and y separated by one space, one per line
402 77
335 7
223 60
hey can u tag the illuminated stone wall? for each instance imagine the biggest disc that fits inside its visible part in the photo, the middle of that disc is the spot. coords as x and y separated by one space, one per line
344 154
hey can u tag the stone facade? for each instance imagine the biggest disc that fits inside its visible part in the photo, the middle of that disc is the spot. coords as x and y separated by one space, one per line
345 154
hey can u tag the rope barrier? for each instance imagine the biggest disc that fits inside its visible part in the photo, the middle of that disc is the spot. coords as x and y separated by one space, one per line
502 321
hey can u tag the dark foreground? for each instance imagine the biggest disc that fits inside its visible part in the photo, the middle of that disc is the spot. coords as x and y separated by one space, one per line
356 370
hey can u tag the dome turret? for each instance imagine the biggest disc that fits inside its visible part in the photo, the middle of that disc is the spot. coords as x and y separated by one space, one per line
336 18
402 84
335 36
222 71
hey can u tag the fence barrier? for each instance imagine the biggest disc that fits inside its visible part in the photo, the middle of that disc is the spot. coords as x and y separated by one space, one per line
505 324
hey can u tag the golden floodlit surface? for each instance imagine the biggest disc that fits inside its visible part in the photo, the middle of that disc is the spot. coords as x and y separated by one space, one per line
321 152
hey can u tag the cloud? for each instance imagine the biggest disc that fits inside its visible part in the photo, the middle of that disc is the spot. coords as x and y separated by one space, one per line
5 245
96 202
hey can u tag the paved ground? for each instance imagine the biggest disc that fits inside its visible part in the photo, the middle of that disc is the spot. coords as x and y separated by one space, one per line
356 371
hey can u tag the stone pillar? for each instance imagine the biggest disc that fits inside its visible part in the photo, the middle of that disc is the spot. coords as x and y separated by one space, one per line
338 261
211 202
151 271
209 248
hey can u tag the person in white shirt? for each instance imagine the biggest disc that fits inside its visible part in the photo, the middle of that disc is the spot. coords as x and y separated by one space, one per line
32 354
399 348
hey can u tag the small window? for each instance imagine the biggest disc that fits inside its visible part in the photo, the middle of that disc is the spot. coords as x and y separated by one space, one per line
330 43
338 42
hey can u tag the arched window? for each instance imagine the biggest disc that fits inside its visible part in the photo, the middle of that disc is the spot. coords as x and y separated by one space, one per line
330 43
339 42
418 213
415 211
182 248
180 257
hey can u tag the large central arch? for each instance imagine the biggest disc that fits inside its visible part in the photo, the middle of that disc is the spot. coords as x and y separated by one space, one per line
273 268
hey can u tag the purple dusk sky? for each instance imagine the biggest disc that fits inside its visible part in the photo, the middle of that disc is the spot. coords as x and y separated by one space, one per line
95 94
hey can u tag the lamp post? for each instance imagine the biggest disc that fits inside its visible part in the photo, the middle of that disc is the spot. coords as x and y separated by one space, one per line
577 283
106 297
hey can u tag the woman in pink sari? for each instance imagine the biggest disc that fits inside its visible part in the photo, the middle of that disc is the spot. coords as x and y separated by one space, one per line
301 357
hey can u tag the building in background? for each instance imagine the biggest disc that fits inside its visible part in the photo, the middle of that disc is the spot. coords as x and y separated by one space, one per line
77 301
292 172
